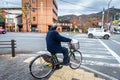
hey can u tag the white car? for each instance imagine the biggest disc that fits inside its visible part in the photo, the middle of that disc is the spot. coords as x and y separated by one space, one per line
98 32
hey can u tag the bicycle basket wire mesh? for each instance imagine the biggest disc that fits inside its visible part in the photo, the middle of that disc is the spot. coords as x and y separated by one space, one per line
74 45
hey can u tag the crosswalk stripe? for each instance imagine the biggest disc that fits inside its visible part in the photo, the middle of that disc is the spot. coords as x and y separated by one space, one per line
116 41
98 63
94 52
97 56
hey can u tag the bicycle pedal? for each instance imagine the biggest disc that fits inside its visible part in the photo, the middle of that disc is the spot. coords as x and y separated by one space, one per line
50 65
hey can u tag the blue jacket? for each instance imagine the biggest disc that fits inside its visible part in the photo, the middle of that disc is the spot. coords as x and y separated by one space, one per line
53 40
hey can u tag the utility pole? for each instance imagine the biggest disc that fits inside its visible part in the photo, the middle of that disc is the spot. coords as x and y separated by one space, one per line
108 11
103 18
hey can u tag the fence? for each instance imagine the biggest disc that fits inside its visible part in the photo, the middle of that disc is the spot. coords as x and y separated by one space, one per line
9 44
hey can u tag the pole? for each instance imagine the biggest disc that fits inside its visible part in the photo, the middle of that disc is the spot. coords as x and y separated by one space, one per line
13 47
103 19
108 11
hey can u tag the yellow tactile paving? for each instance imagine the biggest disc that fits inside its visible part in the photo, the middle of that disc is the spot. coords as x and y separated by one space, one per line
66 73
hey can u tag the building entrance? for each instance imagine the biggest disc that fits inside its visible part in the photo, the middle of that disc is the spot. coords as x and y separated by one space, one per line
34 28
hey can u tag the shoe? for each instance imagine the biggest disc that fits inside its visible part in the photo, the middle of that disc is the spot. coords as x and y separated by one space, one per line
58 67
67 64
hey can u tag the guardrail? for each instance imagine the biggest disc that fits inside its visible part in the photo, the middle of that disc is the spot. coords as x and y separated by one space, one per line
9 44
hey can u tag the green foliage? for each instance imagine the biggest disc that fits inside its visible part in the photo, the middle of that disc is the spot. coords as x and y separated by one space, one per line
1 18
73 28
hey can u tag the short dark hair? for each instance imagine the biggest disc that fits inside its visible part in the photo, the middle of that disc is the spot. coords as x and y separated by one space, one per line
53 27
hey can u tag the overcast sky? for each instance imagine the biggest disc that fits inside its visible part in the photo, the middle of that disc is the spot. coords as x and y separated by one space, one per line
76 7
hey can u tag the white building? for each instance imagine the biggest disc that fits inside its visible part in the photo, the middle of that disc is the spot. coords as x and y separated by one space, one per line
11 20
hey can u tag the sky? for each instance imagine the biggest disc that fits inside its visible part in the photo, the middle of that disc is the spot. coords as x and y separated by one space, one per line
76 7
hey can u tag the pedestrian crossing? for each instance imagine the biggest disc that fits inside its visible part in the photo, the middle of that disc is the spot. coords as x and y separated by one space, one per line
96 54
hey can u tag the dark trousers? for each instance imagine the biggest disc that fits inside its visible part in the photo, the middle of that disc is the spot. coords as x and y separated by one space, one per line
65 55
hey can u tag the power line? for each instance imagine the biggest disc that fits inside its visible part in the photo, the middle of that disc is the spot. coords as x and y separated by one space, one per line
91 8
9 2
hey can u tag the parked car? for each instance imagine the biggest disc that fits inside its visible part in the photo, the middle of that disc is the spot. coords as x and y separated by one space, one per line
98 32
2 31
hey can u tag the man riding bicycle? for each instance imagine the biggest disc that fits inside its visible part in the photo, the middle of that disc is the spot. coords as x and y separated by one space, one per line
53 40
44 64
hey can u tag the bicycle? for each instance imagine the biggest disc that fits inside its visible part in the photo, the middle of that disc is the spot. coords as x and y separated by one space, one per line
44 64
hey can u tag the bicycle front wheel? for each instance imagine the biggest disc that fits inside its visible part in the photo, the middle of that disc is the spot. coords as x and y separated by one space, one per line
39 68
75 59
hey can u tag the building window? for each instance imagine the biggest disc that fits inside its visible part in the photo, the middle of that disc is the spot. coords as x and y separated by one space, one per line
33 10
33 1
10 20
34 18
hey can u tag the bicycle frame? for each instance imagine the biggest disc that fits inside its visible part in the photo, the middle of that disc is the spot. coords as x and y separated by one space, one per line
55 60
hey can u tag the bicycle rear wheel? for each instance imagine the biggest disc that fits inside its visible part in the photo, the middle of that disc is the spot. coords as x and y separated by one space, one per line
39 68
75 59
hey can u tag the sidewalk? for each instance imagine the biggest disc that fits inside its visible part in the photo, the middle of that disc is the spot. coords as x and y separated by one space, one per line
17 68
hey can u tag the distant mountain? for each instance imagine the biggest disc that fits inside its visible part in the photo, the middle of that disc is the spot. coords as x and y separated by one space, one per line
69 18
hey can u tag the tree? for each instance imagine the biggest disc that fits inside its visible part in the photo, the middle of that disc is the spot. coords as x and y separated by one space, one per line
25 12
75 21
2 18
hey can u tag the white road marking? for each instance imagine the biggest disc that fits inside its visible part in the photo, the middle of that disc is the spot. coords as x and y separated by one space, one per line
97 56
28 59
116 42
43 52
94 51
98 63
111 51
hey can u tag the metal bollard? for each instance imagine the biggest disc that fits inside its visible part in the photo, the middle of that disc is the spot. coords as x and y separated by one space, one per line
13 47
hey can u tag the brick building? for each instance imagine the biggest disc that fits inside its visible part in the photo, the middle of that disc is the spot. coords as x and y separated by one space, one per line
38 15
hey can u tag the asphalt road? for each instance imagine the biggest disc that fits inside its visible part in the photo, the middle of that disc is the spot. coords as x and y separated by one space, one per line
25 42
98 54
102 55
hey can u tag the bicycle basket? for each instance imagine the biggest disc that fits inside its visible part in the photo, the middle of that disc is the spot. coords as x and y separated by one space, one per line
74 45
